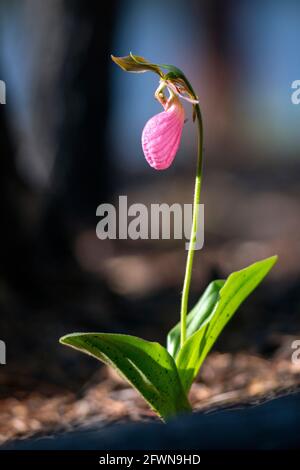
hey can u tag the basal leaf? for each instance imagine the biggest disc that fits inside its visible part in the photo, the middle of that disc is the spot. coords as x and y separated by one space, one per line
197 316
235 290
147 366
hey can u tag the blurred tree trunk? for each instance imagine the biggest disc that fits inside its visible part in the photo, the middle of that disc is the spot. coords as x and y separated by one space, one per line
53 138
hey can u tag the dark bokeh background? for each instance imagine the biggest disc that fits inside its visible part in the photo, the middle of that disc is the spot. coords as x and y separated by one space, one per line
70 140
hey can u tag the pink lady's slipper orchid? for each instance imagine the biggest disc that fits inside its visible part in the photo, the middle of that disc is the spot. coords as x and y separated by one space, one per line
142 363
162 133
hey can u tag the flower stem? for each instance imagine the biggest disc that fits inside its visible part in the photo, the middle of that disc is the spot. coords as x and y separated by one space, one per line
193 238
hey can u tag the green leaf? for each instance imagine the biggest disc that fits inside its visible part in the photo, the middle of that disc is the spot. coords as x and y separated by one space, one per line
197 316
147 366
137 64
235 290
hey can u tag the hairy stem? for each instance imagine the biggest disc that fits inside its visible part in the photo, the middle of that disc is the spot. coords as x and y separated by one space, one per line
193 238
